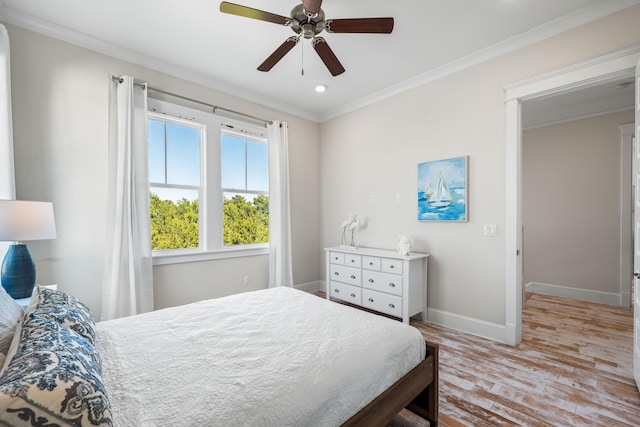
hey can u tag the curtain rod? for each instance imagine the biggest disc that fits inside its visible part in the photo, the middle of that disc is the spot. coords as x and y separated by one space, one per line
206 104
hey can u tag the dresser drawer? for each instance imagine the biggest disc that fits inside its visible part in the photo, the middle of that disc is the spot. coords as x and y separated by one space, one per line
348 293
391 265
384 303
384 282
336 257
353 260
371 263
344 274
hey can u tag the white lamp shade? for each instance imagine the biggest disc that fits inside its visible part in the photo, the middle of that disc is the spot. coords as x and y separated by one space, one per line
21 220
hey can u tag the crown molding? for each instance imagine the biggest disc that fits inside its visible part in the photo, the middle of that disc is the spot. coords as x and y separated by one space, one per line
535 35
573 118
31 23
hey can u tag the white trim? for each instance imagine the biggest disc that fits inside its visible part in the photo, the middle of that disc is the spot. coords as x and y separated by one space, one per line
455 321
513 225
586 73
314 286
580 117
31 23
574 293
492 331
178 257
535 35
596 70
626 229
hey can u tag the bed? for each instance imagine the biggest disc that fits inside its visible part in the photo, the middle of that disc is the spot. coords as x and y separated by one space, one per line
274 357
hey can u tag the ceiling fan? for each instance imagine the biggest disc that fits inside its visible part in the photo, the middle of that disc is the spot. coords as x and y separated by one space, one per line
308 20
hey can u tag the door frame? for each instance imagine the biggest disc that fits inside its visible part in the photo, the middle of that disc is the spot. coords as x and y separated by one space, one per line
627 133
612 66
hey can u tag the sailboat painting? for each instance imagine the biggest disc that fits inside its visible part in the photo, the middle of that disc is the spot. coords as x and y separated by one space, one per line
442 190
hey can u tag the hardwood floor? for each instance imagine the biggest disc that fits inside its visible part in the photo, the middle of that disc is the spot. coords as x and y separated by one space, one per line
573 368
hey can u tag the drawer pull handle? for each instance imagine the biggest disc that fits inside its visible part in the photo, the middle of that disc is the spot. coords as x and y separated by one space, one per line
370 299
370 263
370 280
393 266
393 285
392 306
353 260
337 291
353 276
336 273
353 295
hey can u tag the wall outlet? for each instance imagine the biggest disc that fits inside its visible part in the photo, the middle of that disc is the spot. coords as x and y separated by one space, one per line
246 280
398 197
373 199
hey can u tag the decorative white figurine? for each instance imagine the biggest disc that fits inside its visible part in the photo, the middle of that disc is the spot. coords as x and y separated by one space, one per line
355 224
345 225
403 245
350 225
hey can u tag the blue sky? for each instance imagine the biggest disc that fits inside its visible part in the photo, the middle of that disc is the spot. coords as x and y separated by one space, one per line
453 169
183 166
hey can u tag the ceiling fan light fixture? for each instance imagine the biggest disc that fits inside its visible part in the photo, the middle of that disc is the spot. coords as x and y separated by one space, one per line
307 20
321 88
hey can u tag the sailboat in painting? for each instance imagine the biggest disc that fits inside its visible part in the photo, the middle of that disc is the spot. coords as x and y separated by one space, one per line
441 197
428 191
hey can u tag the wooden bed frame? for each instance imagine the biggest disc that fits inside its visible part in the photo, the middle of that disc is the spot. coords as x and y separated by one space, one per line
417 391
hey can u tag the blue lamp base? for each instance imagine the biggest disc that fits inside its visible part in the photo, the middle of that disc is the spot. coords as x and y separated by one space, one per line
18 272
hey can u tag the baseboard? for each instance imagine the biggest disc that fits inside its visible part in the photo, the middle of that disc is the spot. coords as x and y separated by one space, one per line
317 285
574 293
458 322
492 331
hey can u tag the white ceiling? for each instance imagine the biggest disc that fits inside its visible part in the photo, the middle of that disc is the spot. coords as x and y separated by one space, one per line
195 41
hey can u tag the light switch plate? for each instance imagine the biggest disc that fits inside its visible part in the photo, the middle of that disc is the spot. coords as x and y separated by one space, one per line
490 230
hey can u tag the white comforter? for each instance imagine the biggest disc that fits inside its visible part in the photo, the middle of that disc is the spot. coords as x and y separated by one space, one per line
277 357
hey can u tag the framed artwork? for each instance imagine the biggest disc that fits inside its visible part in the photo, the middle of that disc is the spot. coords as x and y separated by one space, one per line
442 190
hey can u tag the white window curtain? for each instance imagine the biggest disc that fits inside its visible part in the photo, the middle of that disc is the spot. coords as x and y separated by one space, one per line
7 177
128 282
280 260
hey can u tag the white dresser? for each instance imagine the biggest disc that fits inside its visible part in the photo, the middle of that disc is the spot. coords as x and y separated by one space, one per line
378 279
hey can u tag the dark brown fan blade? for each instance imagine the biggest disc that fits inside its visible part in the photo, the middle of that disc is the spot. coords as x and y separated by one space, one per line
278 54
328 57
248 12
360 25
312 6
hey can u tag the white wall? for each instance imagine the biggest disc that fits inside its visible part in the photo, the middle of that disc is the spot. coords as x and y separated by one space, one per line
571 203
60 100
376 151
60 126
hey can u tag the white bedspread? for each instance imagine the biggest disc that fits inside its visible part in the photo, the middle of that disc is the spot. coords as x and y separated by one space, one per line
277 357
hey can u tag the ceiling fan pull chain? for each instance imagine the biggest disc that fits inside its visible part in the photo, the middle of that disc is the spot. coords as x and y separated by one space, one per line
302 59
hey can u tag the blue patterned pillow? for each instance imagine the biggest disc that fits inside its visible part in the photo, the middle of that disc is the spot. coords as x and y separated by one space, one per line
54 379
63 308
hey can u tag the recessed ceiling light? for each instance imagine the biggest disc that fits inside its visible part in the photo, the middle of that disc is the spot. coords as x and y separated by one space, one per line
321 88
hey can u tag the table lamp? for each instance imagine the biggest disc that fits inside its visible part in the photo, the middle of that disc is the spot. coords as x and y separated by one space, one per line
20 221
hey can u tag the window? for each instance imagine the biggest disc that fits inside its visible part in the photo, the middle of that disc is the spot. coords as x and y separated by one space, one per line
175 184
208 185
245 186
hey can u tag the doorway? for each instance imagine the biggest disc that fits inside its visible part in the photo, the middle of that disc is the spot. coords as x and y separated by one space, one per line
613 67
577 193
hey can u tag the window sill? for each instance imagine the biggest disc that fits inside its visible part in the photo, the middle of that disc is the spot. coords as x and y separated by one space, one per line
170 257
